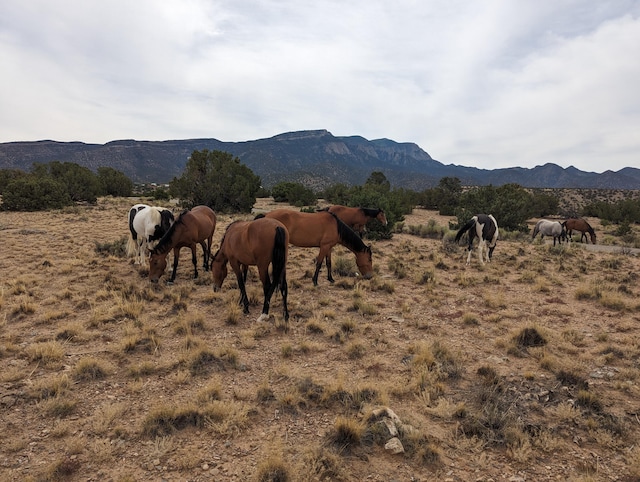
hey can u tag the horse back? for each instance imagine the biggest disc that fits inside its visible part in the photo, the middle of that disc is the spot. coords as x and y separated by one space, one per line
307 230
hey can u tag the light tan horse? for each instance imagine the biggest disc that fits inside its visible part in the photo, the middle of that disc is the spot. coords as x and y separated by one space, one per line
195 226
324 230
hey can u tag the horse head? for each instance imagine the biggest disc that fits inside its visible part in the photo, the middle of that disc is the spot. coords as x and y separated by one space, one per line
364 262
157 265
218 270
382 217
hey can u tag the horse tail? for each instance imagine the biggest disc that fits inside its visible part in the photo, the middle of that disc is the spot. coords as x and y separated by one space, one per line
279 255
259 216
132 248
471 223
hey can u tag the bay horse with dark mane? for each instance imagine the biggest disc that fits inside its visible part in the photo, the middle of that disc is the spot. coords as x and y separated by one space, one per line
147 224
193 226
579 225
254 243
323 230
485 228
357 218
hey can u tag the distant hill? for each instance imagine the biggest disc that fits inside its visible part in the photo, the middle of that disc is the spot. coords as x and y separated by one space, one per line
314 158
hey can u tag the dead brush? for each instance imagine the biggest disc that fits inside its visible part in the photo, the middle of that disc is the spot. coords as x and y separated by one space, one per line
90 368
346 435
322 464
526 338
493 411
49 353
273 469
50 388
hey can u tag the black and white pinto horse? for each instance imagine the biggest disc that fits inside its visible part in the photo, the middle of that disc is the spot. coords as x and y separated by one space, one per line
550 228
485 228
146 225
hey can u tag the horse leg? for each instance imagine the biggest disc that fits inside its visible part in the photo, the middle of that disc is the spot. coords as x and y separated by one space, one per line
194 260
268 288
176 258
205 257
244 299
322 255
328 262
480 249
284 290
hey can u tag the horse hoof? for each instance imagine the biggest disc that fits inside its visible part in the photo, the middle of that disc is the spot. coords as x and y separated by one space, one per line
263 317
169 283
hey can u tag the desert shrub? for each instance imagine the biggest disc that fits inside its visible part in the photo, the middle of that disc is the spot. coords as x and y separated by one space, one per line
294 193
32 193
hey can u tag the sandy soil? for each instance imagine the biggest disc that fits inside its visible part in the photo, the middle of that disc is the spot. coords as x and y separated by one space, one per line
91 353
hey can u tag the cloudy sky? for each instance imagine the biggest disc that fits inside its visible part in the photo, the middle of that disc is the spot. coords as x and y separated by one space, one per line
484 83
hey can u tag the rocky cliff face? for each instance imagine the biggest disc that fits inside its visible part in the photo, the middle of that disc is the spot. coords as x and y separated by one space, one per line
315 158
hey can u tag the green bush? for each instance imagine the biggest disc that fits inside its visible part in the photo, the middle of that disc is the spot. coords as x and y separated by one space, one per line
33 193
218 180
294 193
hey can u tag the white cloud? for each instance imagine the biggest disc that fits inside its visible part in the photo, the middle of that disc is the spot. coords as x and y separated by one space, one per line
490 84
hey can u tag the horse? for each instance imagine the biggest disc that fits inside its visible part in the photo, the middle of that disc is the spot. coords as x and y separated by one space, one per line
146 225
258 243
550 228
195 226
579 225
485 228
323 230
357 218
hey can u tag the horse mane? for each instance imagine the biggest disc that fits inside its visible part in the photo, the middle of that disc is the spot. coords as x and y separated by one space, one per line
164 244
590 230
349 237
371 212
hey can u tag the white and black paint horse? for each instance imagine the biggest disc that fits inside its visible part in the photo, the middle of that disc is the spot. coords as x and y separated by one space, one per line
550 228
146 225
485 228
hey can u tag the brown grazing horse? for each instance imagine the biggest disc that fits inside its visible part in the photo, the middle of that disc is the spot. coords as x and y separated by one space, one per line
195 226
580 225
323 230
254 243
357 218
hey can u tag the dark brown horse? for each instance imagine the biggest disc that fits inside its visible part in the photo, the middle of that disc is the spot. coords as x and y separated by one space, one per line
580 225
254 243
324 230
357 218
195 226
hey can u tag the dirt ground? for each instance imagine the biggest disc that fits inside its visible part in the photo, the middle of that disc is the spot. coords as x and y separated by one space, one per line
524 369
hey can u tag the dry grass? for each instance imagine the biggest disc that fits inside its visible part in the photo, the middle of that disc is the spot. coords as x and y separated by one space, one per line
506 370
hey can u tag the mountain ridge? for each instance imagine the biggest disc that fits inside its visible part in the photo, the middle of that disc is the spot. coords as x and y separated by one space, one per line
316 158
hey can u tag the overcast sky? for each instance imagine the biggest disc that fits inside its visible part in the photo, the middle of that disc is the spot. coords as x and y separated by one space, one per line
483 83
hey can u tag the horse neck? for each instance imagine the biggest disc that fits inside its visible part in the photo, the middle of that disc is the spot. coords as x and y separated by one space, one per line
166 242
349 239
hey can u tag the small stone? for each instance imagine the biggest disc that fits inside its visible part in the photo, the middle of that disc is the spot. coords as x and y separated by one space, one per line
394 446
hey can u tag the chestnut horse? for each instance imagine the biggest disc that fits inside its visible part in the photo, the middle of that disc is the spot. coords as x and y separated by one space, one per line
323 230
254 243
579 225
357 218
485 228
194 226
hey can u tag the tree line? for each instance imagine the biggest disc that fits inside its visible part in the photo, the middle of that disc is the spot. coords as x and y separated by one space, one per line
220 180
